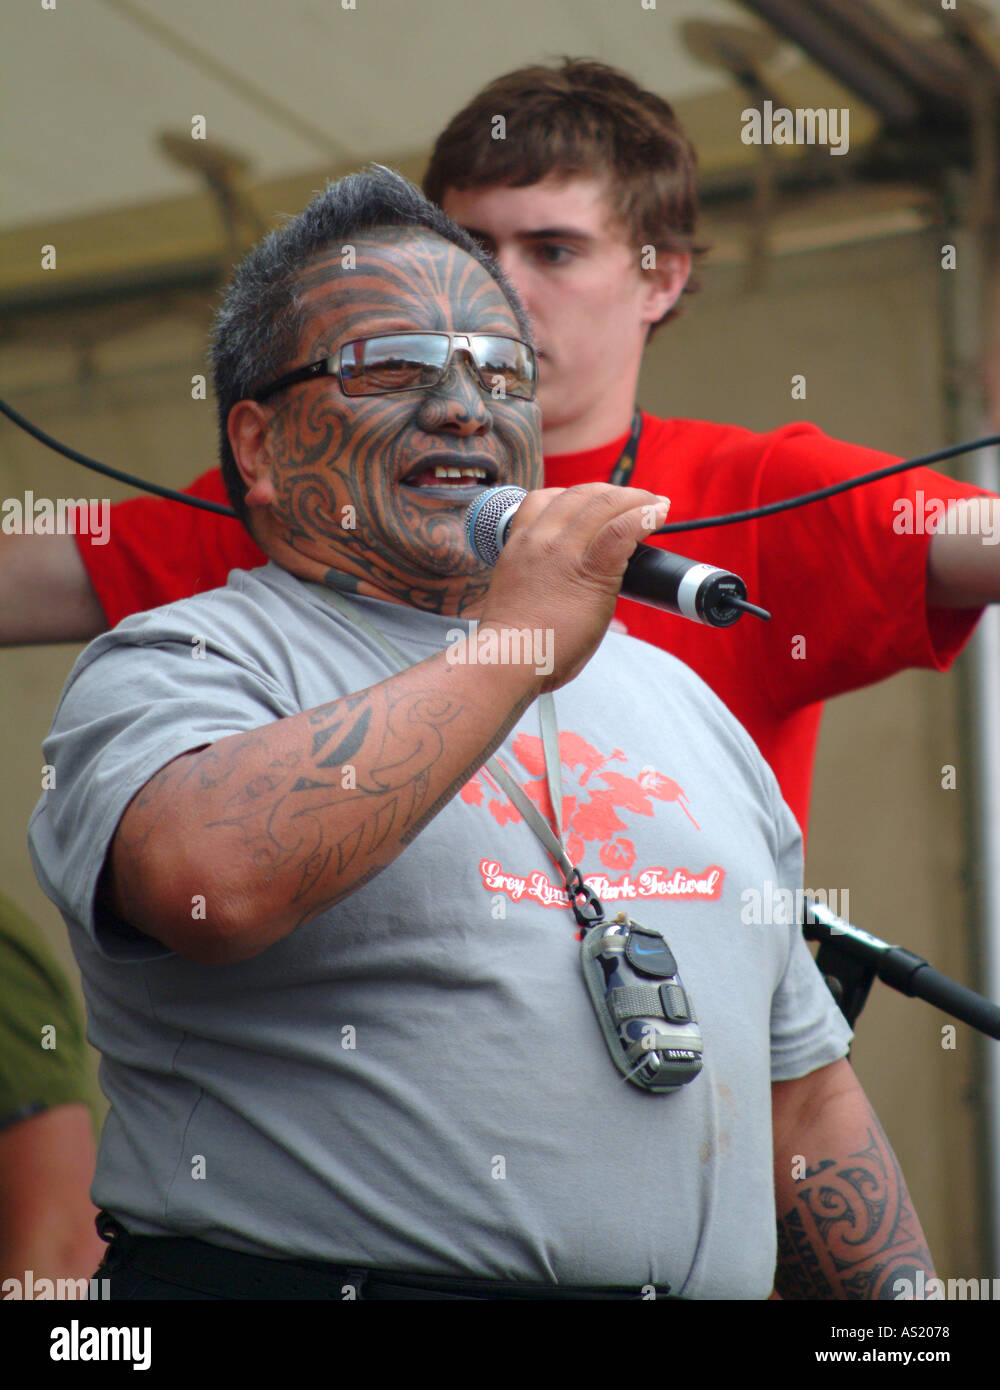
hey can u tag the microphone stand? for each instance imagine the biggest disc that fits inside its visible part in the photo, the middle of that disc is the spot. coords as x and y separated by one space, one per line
850 959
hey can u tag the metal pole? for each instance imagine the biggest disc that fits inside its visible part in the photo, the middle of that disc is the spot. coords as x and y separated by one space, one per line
964 299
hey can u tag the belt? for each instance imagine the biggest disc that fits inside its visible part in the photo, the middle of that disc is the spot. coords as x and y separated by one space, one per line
220 1273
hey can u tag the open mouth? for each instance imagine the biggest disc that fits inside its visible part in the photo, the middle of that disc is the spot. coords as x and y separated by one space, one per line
455 482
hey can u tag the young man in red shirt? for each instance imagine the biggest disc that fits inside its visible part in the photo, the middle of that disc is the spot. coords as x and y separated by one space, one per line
592 175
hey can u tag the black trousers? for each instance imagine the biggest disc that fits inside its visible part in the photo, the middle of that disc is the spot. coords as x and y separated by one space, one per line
164 1267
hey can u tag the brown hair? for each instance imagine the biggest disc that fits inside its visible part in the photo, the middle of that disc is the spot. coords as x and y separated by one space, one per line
579 118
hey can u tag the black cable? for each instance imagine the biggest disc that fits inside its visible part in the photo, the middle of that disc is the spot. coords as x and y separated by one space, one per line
702 524
803 498
201 502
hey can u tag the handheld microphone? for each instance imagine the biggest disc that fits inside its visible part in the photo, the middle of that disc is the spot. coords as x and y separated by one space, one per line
655 577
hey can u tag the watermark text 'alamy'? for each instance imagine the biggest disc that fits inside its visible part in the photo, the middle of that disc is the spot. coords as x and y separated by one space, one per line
61 516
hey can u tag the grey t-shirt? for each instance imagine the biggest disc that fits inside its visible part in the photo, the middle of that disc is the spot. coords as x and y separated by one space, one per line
416 1079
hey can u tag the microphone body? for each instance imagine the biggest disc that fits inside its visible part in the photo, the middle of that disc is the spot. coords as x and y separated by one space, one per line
689 588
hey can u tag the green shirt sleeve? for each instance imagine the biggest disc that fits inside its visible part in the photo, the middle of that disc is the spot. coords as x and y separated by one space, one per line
43 1055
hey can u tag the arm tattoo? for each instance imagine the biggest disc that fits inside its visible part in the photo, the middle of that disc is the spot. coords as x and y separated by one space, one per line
468 772
366 779
328 807
853 1230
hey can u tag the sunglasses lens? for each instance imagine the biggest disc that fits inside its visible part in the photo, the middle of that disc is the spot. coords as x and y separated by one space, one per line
413 362
393 363
506 363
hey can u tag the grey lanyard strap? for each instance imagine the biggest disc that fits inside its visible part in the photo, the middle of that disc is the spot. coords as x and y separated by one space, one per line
588 912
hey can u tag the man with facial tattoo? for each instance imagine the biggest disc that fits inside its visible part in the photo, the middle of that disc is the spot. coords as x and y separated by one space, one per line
333 969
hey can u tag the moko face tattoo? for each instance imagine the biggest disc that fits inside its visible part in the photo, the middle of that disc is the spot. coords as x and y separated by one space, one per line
375 487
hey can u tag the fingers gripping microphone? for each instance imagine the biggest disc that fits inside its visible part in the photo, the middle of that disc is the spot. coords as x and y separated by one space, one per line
652 576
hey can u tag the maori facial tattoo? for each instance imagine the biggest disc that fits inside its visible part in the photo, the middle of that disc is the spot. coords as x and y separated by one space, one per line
367 485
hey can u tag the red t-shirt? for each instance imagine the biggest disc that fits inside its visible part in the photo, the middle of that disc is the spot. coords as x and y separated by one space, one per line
834 628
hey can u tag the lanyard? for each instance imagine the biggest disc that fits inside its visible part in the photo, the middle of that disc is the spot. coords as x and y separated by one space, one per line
587 907
642 1008
622 471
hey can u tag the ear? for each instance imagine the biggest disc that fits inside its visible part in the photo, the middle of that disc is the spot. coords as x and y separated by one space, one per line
248 428
665 283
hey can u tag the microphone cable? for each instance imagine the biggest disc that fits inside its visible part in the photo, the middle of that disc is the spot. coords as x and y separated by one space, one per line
702 524
156 488
803 498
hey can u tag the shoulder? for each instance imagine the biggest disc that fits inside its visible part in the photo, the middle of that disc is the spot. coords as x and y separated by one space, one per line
723 462
248 624
237 614
732 455
714 437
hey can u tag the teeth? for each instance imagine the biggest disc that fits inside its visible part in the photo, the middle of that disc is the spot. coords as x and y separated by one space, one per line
442 472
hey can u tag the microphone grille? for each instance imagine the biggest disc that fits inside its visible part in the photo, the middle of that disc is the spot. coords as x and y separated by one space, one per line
483 518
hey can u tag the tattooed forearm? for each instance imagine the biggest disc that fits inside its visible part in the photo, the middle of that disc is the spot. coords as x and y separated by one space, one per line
467 772
364 779
276 825
428 815
851 1232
